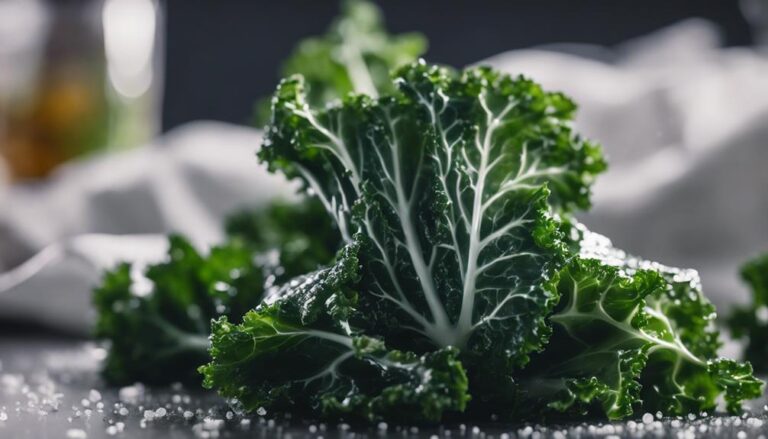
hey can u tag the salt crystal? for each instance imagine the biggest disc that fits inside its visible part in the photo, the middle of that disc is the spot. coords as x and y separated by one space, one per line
3 416
149 415
123 411
188 415
741 435
261 411
647 418
212 423
76 433
111 430
94 395
131 394
159 413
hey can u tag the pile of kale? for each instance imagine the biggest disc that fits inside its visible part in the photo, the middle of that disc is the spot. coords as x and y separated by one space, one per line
435 269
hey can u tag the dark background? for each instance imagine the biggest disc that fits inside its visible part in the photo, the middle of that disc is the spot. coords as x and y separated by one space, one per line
221 56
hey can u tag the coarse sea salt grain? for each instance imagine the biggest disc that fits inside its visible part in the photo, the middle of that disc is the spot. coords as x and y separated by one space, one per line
94 395
76 433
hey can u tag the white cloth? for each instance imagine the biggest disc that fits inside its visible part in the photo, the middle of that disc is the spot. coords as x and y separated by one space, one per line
684 124
683 121
57 237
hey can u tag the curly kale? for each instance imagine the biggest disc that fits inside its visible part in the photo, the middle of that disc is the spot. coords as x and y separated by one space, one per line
617 350
157 320
325 366
355 55
453 197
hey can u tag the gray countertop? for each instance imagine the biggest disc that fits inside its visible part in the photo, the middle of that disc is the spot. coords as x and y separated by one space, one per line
50 388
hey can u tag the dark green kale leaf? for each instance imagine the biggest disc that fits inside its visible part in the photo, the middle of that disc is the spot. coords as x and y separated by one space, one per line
297 352
682 372
447 183
616 348
751 322
685 304
455 196
157 322
600 343
355 55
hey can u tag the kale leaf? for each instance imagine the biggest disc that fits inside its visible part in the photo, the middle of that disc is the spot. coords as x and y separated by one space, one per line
442 191
157 320
355 55
616 348
453 196
325 367
445 188
631 334
751 322
157 323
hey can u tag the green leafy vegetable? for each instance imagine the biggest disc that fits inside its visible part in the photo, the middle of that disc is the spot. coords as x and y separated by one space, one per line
446 184
157 321
751 322
617 347
453 197
325 367
355 55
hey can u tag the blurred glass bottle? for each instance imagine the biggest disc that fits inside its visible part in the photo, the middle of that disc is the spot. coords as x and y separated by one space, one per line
66 90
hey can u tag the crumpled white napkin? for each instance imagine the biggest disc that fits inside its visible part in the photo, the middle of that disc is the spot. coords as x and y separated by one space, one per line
58 236
683 121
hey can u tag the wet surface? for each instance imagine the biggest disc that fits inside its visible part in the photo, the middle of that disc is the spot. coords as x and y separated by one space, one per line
50 388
